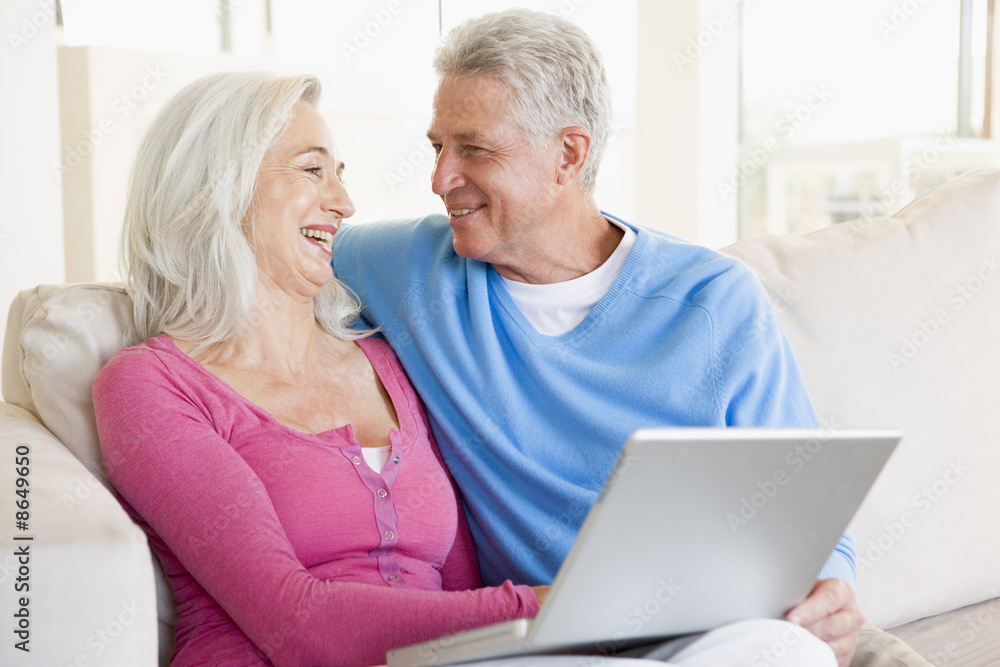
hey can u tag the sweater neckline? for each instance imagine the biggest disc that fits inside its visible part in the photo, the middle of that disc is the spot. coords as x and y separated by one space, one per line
402 434
497 287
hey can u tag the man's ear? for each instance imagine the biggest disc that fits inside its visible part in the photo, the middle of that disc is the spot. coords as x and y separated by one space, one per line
575 143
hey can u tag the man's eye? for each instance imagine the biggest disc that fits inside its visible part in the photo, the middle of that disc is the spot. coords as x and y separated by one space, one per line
437 149
314 170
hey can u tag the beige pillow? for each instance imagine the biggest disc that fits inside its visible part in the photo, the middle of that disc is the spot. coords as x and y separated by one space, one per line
896 323
66 336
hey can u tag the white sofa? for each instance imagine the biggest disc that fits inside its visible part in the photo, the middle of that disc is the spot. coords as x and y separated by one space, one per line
895 321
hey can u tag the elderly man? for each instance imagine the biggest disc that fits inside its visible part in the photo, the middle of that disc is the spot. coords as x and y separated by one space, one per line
541 331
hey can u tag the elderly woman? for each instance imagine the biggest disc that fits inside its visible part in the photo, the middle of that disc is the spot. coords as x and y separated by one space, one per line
279 460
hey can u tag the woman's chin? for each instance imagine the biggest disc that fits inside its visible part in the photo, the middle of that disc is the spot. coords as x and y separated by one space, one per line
322 278
307 281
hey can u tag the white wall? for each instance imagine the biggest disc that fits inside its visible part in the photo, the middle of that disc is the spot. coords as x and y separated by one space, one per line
687 106
108 98
31 229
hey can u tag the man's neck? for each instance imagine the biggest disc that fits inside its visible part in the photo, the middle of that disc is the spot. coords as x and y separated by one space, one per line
577 247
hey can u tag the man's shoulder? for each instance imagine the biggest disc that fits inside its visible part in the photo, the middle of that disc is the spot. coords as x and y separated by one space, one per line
384 261
396 233
689 272
679 252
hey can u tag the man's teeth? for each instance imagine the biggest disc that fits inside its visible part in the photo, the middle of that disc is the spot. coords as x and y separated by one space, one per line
318 234
459 212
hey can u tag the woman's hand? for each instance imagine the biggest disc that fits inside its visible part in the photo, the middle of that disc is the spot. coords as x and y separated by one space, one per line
540 593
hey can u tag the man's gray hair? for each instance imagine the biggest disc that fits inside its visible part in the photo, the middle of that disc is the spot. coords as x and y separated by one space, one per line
551 67
189 267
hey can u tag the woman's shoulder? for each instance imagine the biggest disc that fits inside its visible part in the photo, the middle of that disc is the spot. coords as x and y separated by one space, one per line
378 351
153 352
142 364
160 382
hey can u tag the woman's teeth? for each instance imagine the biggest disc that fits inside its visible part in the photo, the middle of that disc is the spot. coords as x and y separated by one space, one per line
324 237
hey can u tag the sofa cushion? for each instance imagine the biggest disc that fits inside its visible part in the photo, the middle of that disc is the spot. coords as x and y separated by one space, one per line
969 636
895 322
879 648
89 568
63 337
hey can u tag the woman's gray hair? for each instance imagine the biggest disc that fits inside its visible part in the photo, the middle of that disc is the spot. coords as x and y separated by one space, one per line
189 267
550 66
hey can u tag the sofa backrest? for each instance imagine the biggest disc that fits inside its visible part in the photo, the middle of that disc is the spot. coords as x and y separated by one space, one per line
896 323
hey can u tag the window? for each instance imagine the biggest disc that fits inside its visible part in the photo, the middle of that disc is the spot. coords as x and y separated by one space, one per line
851 108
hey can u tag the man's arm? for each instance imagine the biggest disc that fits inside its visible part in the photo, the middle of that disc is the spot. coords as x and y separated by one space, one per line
762 385
842 563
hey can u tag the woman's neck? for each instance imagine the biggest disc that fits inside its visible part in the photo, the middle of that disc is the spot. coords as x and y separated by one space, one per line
282 339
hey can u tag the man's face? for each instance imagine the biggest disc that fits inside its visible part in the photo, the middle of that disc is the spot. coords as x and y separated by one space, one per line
498 189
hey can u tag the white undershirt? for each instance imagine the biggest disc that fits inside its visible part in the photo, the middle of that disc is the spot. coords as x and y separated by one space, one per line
376 457
556 308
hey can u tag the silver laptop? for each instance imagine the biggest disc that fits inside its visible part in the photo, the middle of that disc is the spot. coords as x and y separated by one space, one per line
694 528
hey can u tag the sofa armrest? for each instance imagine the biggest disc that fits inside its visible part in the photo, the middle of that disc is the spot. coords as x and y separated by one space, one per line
78 581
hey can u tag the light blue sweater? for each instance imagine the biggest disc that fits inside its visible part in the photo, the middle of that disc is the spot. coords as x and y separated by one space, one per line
531 425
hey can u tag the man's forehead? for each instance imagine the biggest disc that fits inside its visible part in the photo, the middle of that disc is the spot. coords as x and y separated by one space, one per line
471 95
469 108
463 132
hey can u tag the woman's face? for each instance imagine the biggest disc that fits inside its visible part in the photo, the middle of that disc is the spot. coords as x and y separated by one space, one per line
299 204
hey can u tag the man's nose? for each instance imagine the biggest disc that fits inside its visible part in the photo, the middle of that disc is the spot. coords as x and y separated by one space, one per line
447 173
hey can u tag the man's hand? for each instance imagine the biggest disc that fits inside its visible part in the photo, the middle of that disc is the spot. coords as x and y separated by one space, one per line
831 613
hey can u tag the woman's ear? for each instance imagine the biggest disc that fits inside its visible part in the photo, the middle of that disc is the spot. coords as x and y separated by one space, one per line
575 142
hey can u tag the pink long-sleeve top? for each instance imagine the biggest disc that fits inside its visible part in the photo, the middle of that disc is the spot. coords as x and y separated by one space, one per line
284 547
